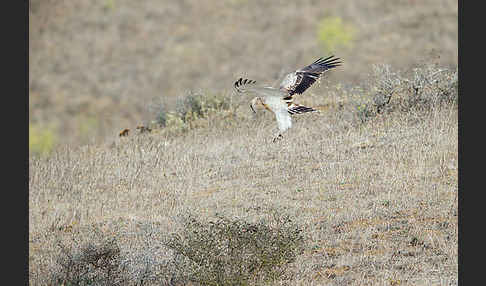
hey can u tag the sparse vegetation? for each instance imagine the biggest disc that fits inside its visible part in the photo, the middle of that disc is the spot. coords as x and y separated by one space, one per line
42 140
190 109
96 263
161 116
428 87
88 57
367 199
198 105
235 252
363 192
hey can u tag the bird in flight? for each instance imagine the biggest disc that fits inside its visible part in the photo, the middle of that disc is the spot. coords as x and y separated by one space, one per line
280 100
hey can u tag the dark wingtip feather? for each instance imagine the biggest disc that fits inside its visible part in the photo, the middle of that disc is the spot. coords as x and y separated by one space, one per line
300 109
321 65
330 61
241 82
237 83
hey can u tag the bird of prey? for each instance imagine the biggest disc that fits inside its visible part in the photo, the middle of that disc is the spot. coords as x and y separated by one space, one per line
280 100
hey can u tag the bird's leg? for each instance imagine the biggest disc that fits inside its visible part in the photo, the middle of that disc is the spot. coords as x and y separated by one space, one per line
278 137
252 109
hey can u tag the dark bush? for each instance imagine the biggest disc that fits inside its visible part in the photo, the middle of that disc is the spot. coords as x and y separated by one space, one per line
427 88
91 264
235 252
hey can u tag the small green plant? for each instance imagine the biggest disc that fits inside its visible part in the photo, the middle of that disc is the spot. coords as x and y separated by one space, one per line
235 252
175 122
190 106
214 103
161 117
41 139
109 5
332 33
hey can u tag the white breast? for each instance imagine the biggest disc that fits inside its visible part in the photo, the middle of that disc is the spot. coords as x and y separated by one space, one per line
279 108
284 120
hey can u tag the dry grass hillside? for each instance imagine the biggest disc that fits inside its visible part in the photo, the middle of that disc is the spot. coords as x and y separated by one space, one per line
96 67
362 193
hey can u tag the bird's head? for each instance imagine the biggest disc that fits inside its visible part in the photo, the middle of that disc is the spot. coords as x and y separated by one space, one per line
254 103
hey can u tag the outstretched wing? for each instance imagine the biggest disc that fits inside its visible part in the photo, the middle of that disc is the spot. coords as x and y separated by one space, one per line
300 80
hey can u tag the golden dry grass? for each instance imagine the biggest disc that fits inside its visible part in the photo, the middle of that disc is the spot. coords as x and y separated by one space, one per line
377 201
107 62
374 193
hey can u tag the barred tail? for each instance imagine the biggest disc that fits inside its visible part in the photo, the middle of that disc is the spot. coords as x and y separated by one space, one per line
240 82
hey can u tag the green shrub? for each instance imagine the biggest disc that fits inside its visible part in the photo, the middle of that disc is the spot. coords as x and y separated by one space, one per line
161 117
332 33
188 109
189 106
197 105
235 252
175 122
214 103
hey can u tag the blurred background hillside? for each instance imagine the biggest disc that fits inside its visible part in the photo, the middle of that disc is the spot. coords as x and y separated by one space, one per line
96 67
